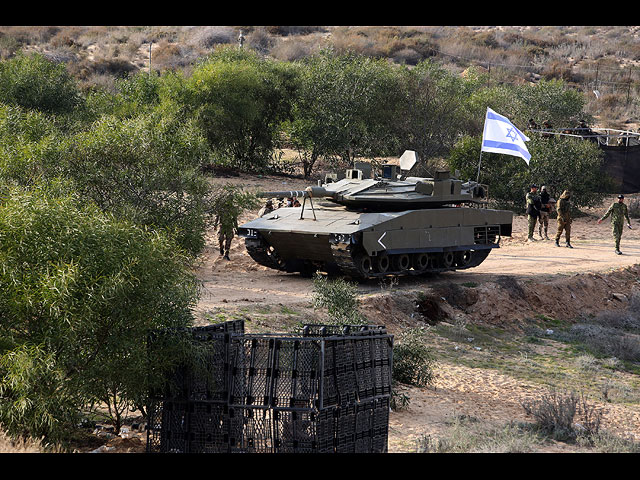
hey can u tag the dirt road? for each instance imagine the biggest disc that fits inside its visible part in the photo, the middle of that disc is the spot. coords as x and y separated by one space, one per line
241 282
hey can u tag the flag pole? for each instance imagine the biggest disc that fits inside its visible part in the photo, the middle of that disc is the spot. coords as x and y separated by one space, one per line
479 163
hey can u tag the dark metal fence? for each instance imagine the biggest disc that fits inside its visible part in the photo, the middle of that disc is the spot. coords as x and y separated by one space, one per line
324 389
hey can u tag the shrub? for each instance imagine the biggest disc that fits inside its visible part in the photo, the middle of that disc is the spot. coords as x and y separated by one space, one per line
339 297
555 415
146 168
413 362
36 83
470 435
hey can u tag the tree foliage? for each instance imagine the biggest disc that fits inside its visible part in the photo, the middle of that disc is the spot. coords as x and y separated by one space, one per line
560 163
345 108
240 101
32 81
80 291
147 169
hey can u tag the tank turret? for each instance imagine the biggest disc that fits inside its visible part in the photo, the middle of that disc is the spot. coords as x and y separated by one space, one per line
373 225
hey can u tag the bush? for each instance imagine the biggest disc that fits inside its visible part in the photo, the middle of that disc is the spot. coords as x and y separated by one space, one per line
339 297
146 168
555 415
36 83
413 363
80 291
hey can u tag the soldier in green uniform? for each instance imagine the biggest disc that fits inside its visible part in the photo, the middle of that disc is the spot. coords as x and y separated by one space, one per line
619 212
563 207
228 226
533 210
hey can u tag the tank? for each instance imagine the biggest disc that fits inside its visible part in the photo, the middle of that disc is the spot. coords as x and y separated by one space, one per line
368 226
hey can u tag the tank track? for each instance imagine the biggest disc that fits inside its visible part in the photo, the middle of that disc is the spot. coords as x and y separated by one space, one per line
344 259
260 252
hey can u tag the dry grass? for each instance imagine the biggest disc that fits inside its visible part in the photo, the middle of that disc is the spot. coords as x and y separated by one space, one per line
8 445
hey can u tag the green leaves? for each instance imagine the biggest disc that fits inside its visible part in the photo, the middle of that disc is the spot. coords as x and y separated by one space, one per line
340 298
87 289
559 163
35 82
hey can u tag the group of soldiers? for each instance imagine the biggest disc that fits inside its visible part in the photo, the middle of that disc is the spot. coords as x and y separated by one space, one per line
269 207
539 206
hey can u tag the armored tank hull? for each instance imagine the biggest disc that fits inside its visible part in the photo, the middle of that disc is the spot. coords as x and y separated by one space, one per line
367 245
368 228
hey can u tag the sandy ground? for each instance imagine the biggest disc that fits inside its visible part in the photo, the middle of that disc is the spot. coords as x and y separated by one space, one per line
557 282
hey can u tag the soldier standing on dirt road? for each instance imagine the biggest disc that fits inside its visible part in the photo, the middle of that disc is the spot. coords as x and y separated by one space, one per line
619 212
228 226
564 218
533 210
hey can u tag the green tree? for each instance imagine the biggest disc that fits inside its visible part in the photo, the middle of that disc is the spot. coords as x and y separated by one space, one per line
432 114
80 292
240 101
147 168
559 163
139 93
32 81
345 108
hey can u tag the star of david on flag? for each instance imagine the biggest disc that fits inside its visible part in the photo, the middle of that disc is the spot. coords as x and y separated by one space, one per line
502 136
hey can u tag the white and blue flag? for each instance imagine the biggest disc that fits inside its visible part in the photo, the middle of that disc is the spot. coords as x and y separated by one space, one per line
502 136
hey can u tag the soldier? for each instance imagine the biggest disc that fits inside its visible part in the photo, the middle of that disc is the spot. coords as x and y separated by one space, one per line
564 218
618 211
228 226
546 125
533 210
268 208
544 212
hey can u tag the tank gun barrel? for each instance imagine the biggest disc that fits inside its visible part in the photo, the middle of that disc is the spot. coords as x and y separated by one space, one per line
283 193
307 192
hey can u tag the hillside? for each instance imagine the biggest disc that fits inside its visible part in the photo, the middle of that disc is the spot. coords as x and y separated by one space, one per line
602 59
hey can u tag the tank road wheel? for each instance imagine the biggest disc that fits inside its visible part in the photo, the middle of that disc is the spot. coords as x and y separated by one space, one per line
420 261
462 259
400 263
382 263
363 264
447 259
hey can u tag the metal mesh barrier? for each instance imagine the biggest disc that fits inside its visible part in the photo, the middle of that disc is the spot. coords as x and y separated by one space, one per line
325 389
